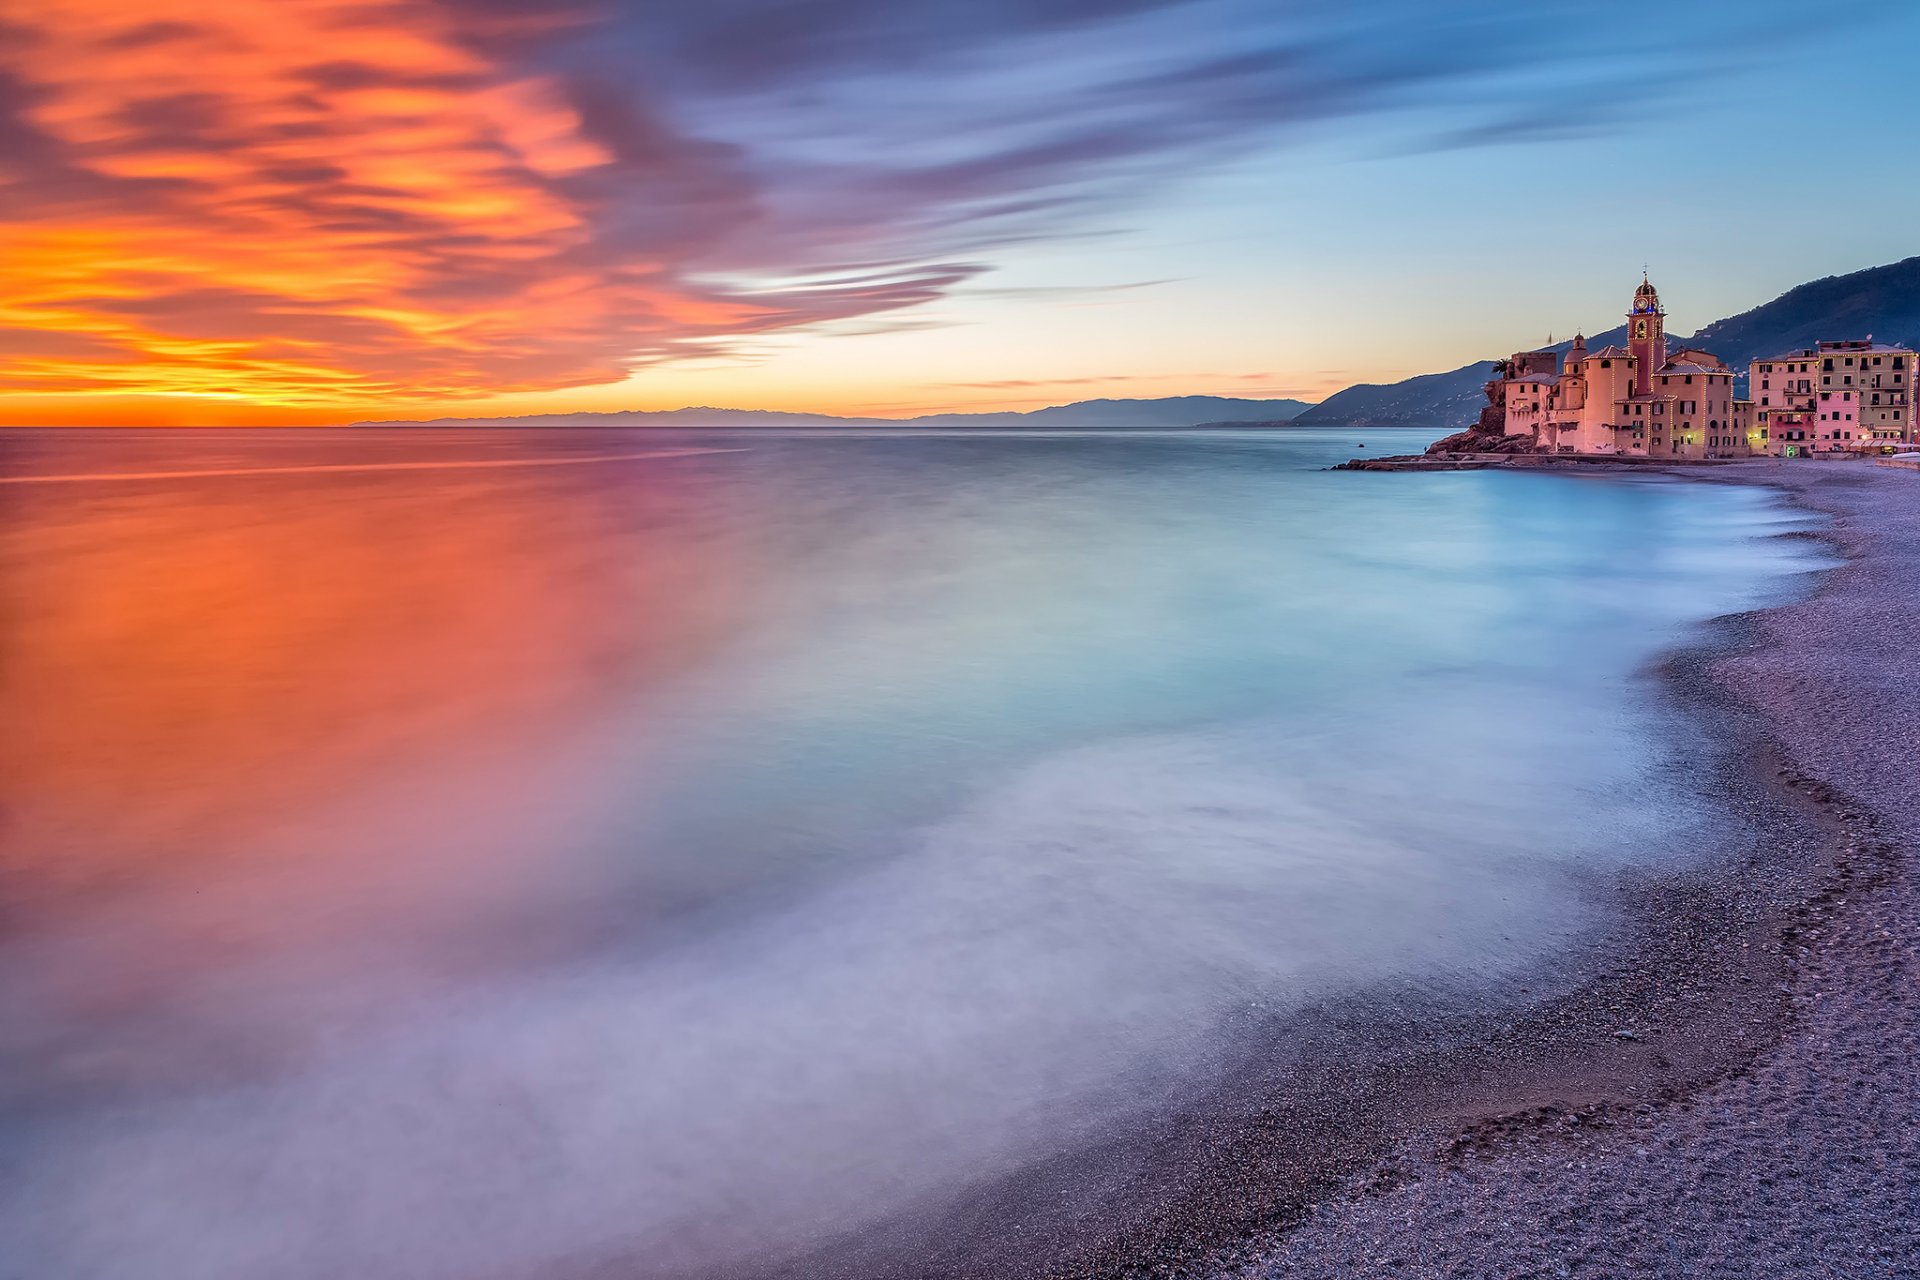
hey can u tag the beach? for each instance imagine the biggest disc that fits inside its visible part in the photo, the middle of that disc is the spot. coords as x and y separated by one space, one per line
1797 1152
819 857
976 856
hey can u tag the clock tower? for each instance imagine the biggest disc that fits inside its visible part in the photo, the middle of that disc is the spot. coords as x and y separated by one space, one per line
1646 335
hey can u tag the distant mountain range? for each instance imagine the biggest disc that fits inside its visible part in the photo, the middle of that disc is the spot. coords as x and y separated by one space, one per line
1169 412
1882 301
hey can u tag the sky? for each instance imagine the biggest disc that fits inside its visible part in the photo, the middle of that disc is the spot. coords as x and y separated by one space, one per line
312 211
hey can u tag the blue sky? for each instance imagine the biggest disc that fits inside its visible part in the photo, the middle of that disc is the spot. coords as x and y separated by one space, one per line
1466 222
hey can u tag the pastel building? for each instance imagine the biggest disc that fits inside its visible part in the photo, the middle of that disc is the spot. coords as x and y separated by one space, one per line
1645 400
1640 400
1834 397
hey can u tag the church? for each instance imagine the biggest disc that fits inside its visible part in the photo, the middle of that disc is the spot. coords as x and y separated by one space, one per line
1640 400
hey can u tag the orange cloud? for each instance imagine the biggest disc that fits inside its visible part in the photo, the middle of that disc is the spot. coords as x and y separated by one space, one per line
331 202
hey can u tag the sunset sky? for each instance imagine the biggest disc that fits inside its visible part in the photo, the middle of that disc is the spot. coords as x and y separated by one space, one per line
298 211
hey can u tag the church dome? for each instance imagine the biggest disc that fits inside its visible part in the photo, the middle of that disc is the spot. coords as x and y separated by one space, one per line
1646 297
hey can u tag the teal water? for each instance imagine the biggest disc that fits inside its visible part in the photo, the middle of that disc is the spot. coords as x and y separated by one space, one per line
488 871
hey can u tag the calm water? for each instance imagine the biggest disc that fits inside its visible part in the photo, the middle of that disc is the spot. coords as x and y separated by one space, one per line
492 871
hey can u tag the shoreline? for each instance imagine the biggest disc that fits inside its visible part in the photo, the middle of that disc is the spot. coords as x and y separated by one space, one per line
1760 1152
1336 1113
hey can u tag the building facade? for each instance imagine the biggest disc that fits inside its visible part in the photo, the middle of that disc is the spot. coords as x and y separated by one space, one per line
1835 397
1646 400
1641 400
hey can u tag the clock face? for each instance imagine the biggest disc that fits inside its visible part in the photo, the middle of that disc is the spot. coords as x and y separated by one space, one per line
1640 330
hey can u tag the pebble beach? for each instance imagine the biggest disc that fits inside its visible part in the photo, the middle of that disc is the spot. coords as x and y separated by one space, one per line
1798 1155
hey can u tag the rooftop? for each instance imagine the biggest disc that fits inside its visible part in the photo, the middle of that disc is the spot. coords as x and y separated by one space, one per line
1861 344
1826 349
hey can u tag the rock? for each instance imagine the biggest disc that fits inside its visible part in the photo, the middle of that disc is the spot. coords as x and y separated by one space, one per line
1478 440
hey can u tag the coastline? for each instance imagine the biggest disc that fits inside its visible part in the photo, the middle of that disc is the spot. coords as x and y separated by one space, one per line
1794 1150
1320 1156
1354 1104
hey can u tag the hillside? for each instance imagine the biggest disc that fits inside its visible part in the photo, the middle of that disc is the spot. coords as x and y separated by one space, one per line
1426 400
1429 400
1882 301
1169 412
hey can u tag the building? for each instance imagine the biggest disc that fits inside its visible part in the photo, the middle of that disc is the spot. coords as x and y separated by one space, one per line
1640 400
1644 400
1834 397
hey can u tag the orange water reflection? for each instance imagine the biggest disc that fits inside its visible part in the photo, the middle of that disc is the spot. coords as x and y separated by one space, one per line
187 660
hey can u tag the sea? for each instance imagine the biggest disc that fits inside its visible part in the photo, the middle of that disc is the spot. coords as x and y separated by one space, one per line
496 854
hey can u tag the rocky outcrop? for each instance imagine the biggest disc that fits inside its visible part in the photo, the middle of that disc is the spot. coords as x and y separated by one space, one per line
1488 434
1475 440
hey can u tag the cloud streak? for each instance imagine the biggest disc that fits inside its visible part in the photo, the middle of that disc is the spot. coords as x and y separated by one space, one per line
343 201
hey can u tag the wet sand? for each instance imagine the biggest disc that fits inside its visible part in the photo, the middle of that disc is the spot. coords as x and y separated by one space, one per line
1791 1145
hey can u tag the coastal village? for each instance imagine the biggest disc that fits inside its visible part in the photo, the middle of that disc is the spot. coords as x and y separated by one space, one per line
1841 397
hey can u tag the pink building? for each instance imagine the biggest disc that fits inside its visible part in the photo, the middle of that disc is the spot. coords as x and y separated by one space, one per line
1639 400
1646 401
1847 396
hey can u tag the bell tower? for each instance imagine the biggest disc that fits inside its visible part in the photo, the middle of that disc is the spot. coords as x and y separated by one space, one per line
1646 335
